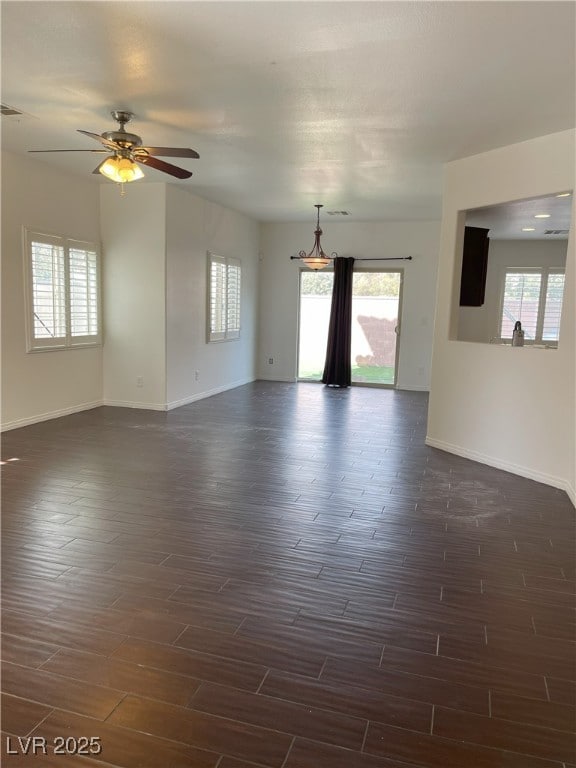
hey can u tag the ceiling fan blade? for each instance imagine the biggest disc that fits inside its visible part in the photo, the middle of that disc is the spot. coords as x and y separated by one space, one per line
98 151
101 139
160 165
169 151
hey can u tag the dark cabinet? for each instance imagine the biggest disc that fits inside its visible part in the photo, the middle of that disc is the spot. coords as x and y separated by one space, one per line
474 266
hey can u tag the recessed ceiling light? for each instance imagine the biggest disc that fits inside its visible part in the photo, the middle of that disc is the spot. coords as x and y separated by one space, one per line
564 194
528 229
542 216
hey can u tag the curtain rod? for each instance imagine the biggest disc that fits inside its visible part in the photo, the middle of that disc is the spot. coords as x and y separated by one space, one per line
376 258
393 258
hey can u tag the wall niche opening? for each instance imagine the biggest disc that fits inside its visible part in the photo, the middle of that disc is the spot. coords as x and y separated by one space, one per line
513 264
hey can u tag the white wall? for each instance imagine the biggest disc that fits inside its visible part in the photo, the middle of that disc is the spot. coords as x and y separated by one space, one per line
483 323
41 385
156 238
154 242
195 226
134 287
279 288
512 408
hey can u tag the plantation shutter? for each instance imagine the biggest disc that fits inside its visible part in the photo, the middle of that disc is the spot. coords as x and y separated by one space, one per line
521 302
83 282
553 306
223 298
217 298
48 288
62 293
233 299
534 297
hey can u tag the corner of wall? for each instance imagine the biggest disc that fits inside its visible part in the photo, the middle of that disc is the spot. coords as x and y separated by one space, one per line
475 385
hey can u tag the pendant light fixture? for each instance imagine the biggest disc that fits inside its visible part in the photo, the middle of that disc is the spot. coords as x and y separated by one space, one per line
316 259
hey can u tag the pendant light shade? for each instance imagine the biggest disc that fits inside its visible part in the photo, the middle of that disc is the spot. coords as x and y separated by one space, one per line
316 259
121 169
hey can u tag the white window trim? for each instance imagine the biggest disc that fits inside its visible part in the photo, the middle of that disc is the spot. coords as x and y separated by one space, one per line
228 334
545 272
67 341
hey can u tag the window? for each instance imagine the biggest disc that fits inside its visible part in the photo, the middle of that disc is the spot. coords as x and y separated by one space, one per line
223 298
533 296
63 287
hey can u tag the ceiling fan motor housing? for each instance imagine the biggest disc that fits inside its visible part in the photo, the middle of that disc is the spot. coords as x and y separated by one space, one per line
123 138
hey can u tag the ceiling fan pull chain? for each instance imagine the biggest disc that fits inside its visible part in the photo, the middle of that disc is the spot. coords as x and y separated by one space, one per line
122 189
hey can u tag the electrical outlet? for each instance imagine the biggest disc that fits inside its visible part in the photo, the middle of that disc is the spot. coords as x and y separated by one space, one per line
270 361
196 375
139 381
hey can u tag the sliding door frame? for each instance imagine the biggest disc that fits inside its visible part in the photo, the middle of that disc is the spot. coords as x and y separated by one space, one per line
357 269
379 270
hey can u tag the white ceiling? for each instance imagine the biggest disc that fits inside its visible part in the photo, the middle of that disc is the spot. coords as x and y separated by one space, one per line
355 105
508 221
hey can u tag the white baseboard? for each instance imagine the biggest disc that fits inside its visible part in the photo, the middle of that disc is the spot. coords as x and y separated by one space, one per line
412 388
48 415
207 393
507 466
25 422
134 404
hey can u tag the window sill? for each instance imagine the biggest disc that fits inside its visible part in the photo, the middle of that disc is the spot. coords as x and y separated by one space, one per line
36 350
524 346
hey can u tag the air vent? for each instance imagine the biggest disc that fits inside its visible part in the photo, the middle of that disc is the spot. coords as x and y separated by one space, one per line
556 231
8 111
338 213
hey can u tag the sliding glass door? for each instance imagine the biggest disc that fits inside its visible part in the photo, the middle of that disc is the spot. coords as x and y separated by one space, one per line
376 308
376 304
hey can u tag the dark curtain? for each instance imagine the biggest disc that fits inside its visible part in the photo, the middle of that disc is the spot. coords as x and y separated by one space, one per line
338 369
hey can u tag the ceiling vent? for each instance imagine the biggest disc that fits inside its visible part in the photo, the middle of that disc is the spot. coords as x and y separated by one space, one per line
556 231
9 111
338 213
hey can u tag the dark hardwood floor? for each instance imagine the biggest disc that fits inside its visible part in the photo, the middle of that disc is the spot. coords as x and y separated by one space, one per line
281 576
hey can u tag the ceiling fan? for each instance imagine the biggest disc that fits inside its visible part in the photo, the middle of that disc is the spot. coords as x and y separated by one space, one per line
127 151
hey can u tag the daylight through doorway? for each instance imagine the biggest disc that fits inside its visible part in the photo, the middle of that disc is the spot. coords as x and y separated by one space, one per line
376 305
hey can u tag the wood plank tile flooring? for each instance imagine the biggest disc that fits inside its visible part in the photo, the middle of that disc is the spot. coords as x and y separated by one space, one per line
280 576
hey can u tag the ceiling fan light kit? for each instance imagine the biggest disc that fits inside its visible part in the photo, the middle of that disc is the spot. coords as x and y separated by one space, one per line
120 169
127 153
